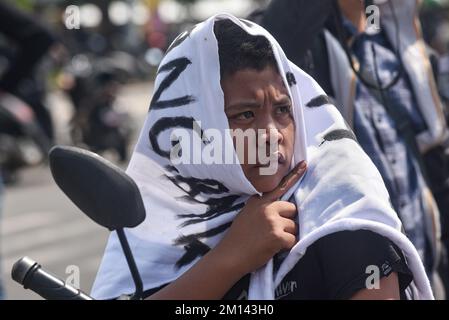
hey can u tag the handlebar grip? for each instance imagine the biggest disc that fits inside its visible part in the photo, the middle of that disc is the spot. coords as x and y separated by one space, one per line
30 274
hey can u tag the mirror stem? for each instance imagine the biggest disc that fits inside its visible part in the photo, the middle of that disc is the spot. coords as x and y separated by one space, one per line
132 264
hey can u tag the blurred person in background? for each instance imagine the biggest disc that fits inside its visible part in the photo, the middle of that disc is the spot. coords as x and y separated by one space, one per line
434 17
33 41
434 20
388 96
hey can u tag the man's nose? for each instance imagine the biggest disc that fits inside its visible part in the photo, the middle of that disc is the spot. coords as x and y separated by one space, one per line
270 133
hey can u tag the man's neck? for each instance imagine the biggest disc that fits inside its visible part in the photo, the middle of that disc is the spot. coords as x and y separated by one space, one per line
354 11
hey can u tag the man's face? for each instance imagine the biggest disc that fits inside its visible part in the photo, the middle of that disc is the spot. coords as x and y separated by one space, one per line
258 100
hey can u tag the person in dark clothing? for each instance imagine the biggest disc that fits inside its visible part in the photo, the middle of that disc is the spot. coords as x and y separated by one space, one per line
33 41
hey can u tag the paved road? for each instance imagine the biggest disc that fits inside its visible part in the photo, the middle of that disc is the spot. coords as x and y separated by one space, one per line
40 222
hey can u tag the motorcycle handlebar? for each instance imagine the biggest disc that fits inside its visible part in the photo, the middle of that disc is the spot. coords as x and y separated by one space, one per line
30 274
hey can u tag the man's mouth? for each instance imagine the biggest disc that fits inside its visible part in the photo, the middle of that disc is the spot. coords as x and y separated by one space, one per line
280 159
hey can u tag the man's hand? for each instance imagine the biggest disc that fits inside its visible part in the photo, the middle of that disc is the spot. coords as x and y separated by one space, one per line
264 227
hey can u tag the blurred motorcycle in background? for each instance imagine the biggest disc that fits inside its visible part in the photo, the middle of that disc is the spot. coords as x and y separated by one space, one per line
93 83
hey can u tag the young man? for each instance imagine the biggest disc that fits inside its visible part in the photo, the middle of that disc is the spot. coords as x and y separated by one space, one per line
233 228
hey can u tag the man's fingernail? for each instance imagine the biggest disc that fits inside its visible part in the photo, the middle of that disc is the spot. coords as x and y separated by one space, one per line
302 165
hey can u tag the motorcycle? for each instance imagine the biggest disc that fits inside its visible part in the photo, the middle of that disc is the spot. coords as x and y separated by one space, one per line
97 124
117 205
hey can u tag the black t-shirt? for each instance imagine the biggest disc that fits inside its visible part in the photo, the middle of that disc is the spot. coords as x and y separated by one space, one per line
334 267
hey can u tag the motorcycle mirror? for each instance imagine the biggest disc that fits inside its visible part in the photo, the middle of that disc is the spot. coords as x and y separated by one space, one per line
104 192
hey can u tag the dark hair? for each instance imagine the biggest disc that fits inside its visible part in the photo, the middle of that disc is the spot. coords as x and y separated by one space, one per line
238 50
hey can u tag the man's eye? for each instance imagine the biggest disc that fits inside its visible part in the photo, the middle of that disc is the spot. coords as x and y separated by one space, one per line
283 109
245 115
